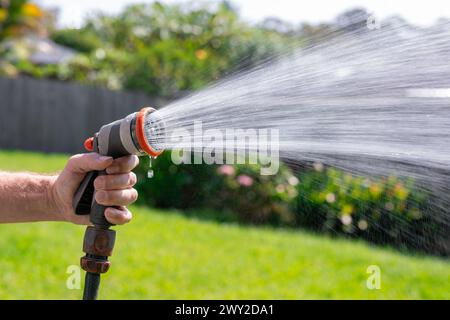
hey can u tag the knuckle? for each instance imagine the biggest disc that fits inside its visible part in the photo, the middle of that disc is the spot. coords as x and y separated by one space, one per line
100 183
119 181
102 197
73 159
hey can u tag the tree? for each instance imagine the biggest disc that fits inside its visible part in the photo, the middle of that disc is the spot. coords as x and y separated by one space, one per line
167 49
18 17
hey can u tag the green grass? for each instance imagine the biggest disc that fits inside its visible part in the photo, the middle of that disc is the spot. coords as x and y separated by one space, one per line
164 255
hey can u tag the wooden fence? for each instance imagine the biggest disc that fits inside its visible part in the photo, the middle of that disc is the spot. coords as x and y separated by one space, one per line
53 116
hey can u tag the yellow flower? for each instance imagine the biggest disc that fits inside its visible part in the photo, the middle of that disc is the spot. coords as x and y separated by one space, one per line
347 209
400 191
375 190
201 54
31 10
3 14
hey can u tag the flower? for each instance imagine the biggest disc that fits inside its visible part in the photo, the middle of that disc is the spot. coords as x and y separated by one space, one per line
318 166
201 54
346 219
363 225
293 181
245 180
32 10
331 197
226 170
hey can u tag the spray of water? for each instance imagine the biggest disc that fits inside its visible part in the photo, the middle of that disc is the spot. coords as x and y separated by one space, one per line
373 102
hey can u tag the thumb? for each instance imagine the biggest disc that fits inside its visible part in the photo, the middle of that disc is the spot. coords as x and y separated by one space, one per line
85 162
80 164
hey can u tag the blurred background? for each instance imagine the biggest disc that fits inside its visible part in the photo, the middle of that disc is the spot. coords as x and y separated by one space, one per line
202 231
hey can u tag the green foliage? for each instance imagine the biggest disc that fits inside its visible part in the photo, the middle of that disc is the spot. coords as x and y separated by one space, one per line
17 18
165 49
256 198
239 190
173 186
382 210
82 40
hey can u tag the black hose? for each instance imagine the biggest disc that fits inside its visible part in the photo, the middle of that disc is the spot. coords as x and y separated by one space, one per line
91 284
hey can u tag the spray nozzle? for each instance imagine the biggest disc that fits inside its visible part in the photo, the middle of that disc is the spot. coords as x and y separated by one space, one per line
149 132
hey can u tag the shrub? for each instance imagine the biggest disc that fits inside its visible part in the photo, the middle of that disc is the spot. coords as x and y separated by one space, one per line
164 49
239 190
381 210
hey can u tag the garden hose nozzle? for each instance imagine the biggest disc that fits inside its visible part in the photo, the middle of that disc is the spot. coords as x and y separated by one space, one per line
140 133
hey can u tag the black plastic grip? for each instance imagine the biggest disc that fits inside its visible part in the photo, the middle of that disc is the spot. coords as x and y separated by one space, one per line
84 200
98 211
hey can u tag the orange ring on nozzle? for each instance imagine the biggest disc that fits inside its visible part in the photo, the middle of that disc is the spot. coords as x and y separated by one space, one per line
89 144
141 135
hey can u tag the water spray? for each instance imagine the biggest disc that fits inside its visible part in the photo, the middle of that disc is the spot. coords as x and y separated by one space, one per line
140 134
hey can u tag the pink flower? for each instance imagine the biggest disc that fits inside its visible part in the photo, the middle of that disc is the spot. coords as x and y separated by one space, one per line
226 170
245 180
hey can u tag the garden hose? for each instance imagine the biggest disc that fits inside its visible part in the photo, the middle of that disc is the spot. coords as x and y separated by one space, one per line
91 285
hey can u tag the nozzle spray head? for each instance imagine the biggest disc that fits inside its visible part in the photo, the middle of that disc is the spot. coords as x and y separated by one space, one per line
148 131
140 133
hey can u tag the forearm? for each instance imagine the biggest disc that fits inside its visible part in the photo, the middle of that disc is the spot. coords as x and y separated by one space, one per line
26 197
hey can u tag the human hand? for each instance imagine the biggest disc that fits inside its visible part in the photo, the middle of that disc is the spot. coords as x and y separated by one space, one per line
114 190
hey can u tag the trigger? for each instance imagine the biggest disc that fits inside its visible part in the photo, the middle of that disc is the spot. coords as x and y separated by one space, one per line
82 201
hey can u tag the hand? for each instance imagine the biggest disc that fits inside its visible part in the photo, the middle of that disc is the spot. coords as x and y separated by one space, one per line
114 190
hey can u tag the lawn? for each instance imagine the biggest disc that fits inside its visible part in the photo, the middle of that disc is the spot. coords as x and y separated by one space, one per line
164 255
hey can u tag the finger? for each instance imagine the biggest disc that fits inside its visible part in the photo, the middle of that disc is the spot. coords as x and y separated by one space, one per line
123 164
83 163
115 181
119 215
116 197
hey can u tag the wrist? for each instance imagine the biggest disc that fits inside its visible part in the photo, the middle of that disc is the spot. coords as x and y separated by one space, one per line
54 206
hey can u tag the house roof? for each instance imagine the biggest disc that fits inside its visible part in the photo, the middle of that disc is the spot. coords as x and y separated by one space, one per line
45 51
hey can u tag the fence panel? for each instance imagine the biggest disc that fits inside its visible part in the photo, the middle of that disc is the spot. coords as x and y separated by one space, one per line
53 116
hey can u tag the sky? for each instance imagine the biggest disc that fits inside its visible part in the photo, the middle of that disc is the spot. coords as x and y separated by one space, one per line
295 11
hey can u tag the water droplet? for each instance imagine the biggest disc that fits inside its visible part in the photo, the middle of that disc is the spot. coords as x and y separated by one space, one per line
150 172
